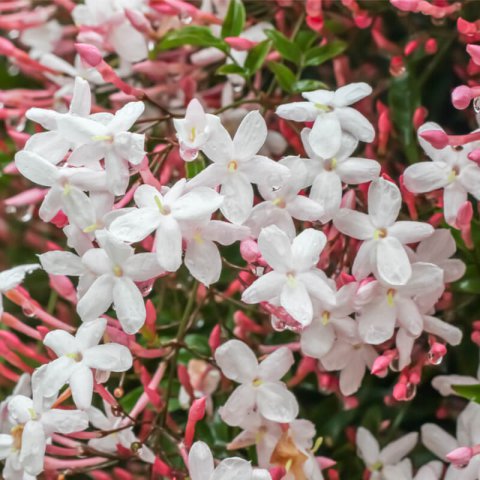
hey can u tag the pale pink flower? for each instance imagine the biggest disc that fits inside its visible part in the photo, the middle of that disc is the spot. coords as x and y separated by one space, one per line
382 252
331 114
450 169
376 459
260 387
294 278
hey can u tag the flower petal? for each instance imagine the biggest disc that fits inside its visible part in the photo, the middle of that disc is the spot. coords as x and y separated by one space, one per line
81 383
168 244
129 305
200 462
250 136
306 249
296 301
237 361
367 446
203 261
276 365
264 288
354 224
111 357
392 262
238 197
276 403
97 299
326 135
384 202
275 248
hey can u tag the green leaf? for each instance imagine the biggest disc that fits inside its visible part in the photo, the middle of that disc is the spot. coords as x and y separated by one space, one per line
229 69
285 47
318 55
130 399
403 99
256 57
471 392
195 167
285 77
308 85
192 35
305 38
234 20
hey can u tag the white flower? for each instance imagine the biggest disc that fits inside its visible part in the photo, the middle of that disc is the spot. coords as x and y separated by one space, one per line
35 422
450 169
13 278
317 339
236 166
163 212
52 145
404 471
331 113
283 202
66 183
194 130
350 355
122 436
441 443
327 174
443 383
202 257
384 305
261 389
437 249
294 278
201 466
382 252
77 355
119 33
106 137
375 459
107 275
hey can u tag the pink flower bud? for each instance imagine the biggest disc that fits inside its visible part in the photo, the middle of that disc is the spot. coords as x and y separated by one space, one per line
466 28
89 54
239 43
406 5
474 155
214 339
460 457
249 250
461 97
431 46
410 47
436 138
474 52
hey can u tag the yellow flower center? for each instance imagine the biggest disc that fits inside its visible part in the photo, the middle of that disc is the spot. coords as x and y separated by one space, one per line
279 202
161 207
16 432
117 271
380 233
325 317
257 382
193 134
232 166
391 297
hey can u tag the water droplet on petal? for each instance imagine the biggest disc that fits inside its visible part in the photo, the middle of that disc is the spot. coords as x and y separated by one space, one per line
410 391
185 17
476 104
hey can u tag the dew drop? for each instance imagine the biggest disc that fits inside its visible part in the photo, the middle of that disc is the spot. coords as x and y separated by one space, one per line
476 104
410 392
28 311
185 17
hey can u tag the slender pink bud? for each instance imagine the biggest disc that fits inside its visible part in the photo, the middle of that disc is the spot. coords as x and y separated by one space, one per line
419 117
89 54
474 52
466 28
410 47
460 457
277 473
239 43
464 223
474 155
249 250
431 46
461 97
214 339
436 138
195 414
